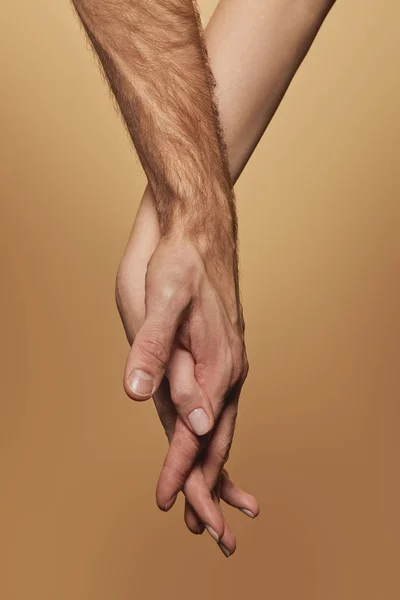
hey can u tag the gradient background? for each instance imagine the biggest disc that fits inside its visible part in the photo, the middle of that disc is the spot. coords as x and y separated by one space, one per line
318 435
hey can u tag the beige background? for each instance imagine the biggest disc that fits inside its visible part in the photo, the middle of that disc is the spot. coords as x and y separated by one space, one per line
317 439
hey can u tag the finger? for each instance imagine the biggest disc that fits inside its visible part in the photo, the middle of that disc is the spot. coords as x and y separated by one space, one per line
152 346
182 452
203 503
193 523
191 402
227 543
238 498
218 448
232 495
165 409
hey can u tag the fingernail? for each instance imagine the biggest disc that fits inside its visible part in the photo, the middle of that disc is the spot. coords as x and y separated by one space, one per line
141 383
224 550
248 513
199 421
170 503
213 533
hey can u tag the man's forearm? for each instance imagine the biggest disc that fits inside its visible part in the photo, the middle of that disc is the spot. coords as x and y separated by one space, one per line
156 64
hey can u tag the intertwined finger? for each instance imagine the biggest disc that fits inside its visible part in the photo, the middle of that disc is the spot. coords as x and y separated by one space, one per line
217 451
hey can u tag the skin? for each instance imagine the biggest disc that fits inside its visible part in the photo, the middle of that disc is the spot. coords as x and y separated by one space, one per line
268 40
177 286
155 61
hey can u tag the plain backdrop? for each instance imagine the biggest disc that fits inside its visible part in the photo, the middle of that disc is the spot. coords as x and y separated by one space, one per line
318 435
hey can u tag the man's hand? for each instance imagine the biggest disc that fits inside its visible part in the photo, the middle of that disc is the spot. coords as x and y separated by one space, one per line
192 332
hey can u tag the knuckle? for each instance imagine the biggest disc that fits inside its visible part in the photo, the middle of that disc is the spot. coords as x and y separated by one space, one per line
183 396
168 283
154 352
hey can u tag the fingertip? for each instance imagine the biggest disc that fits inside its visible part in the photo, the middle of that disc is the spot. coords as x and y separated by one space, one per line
196 529
250 507
139 385
227 544
226 551
164 497
214 534
200 422
167 490
238 498
165 506
193 523
248 513
164 500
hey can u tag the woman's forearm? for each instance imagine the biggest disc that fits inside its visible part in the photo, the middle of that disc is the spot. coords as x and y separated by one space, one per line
255 48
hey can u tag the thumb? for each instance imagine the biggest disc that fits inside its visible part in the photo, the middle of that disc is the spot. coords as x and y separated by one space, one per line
149 355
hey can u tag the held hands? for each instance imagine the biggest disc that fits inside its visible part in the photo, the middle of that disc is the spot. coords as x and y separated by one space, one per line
188 352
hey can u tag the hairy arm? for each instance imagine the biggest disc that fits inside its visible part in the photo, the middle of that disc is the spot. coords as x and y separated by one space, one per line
155 60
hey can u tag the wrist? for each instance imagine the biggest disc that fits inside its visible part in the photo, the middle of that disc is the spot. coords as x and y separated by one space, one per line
212 237
206 219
